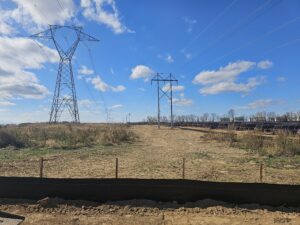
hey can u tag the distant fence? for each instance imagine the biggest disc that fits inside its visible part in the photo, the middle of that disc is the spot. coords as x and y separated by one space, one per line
264 126
102 190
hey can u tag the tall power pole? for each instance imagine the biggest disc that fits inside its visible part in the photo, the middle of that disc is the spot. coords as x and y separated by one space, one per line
161 93
65 94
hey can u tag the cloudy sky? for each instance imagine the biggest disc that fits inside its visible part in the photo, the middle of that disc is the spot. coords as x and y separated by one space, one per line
237 54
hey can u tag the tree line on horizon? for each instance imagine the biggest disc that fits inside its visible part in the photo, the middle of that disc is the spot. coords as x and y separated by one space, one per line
229 117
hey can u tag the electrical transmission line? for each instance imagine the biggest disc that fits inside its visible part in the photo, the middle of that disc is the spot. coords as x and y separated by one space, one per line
238 26
255 40
169 79
65 93
210 24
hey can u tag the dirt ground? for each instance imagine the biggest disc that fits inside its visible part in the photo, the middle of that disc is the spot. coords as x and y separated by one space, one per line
60 212
155 154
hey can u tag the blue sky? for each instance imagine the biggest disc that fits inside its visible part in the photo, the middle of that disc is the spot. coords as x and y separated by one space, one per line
236 54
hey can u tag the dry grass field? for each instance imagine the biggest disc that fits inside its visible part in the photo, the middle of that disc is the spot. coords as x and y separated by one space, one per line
152 153
155 154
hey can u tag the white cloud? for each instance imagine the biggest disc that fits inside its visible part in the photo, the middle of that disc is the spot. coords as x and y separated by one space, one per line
225 79
168 58
265 64
227 73
34 15
16 56
117 106
118 88
112 71
6 103
20 84
260 104
25 53
86 103
96 10
141 71
174 87
281 79
141 89
190 22
182 101
102 86
85 71
187 55
5 27
232 86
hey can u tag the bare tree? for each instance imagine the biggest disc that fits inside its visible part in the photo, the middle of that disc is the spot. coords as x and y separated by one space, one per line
271 116
291 116
298 116
231 114
213 117
260 116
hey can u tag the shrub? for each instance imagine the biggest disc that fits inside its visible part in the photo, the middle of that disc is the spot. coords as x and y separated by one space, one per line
8 139
284 143
252 141
287 144
116 134
230 136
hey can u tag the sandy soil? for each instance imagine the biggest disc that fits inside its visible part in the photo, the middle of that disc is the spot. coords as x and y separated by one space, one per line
60 212
158 154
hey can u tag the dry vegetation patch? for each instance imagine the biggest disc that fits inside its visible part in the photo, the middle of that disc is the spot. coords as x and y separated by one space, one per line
282 143
157 154
65 136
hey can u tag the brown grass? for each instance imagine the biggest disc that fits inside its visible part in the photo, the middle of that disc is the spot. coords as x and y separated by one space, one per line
282 144
287 144
229 136
116 134
64 136
156 154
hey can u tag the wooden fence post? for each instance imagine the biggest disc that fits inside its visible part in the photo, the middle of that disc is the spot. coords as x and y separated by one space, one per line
117 167
183 168
41 167
260 172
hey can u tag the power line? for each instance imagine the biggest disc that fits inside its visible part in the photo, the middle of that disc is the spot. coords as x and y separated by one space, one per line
249 15
288 43
95 70
255 40
211 23
105 110
59 3
62 10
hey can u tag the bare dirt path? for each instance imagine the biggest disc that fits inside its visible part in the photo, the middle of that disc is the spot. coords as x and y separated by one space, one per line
159 154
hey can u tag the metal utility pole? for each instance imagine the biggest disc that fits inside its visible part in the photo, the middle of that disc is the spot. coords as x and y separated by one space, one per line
108 111
171 100
129 114
158 103
64 94
161 93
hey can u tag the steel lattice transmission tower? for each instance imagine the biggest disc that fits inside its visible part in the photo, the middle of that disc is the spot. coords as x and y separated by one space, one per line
65 93
169 79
